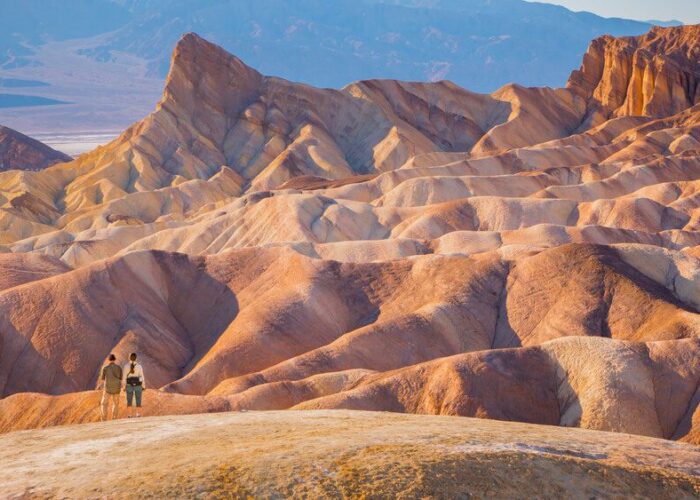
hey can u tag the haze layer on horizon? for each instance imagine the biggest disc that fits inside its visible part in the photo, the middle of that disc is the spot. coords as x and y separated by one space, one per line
686 11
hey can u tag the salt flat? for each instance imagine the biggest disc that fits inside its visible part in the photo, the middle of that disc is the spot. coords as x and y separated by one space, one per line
76 143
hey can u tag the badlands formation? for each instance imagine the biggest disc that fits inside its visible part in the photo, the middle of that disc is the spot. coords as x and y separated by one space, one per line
530 255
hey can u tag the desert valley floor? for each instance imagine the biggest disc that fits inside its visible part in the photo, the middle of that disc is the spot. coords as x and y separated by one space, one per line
532 255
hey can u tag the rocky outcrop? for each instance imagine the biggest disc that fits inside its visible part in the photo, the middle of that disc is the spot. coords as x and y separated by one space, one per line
657 74
17 151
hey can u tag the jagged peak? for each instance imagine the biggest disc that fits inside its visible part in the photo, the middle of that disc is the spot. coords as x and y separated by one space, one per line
656 74
190 45
201 70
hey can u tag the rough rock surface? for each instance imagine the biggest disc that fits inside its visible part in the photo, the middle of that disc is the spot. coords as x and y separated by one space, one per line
657 74
340 454
17 151
529 255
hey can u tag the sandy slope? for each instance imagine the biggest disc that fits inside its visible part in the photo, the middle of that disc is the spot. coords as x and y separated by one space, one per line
340 454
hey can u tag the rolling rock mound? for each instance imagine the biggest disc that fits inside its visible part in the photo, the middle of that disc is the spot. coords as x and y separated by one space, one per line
529 255
451 335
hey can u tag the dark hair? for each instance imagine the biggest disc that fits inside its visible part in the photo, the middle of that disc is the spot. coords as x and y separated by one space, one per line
112 357
132 357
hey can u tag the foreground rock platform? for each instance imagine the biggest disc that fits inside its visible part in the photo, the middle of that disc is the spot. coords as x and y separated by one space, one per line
340 454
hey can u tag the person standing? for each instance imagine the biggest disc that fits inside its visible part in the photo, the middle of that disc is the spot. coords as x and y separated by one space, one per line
111 380
135 384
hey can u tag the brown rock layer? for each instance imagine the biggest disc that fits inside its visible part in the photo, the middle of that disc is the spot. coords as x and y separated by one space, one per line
17 151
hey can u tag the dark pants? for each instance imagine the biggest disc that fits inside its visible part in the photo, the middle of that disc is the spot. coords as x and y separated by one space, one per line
131 391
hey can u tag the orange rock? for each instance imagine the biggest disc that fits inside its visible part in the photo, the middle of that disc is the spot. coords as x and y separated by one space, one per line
527 255
656 74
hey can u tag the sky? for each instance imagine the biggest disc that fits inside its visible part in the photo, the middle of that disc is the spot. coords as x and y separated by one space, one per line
687 11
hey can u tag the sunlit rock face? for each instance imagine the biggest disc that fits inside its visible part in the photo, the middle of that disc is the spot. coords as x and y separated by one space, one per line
655 75
527 255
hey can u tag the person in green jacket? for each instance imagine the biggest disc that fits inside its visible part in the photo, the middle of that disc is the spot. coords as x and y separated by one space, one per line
111 380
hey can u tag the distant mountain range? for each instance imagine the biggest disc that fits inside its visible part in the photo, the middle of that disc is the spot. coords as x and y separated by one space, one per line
665 24
108 57
479 44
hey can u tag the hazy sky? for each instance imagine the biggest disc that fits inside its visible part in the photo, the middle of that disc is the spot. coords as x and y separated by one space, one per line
687 11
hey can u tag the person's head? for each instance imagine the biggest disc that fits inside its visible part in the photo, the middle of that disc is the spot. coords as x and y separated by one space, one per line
132 357
112 358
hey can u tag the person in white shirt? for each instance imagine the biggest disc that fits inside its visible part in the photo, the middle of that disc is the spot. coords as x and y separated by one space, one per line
135 384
